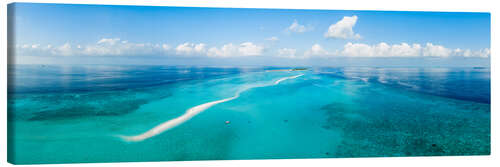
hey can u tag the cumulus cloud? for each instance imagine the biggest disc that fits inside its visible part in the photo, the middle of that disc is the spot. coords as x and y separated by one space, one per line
225 51
381 50
406 50
64 50
229 50
30 46
317 51
190 48
250 49
482 53
436 50
165 47
297 28
343 29
103 47
384 50
117 47
109 41
287 52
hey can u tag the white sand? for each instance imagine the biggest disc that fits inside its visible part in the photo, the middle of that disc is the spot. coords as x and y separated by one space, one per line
282 79
191 113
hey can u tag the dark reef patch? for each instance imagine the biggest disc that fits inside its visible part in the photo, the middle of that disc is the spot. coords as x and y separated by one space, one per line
69 106
409 127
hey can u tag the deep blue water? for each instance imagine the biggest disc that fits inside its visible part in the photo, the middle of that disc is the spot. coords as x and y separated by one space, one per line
470 83
74 114
84 78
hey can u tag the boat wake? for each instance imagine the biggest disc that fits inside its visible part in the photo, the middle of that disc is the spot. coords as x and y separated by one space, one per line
190 113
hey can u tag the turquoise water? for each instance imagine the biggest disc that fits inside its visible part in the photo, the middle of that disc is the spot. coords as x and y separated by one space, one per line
76 114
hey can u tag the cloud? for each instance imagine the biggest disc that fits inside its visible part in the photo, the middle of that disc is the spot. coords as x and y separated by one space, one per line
103 47
287 53
297 28
381 50
165 47
436 50
64 50
384 50
230 50
190 49
406 50
317 51
117 47
272 39
109 41
225 51
343 29
29 46
482 53
249 49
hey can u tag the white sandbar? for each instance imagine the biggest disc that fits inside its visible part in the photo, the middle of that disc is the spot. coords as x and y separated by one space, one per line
191 113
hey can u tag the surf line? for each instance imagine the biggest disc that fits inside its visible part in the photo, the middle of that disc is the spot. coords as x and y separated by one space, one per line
190 113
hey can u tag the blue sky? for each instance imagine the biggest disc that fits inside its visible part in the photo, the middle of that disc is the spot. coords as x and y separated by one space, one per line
99 34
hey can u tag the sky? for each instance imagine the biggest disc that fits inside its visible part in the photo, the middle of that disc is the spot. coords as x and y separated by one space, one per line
104 34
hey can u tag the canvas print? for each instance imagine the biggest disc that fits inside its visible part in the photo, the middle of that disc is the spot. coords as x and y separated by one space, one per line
111 83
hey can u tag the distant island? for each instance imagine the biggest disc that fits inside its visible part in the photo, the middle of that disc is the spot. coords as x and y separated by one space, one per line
293 69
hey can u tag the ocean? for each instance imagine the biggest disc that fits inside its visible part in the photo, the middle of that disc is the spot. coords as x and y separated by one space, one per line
128 113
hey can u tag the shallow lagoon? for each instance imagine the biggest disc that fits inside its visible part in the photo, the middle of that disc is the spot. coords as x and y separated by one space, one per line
65 114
